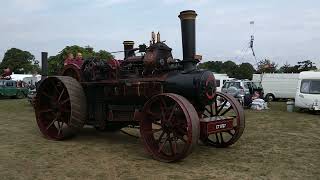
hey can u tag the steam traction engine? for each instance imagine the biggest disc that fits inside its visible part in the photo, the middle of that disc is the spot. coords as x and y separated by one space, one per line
174 103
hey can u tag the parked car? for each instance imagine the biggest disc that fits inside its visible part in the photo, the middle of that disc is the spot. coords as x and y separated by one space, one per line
220 80
308 91
242 87
243 90
31 95
8 88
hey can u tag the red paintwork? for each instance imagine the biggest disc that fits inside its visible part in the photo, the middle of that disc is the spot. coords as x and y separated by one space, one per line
216 126
76 62
114 64
211 94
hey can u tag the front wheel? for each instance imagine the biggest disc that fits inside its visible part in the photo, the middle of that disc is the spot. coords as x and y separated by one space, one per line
225 119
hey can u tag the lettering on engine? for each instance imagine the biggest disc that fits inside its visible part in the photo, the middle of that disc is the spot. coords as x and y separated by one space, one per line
221 126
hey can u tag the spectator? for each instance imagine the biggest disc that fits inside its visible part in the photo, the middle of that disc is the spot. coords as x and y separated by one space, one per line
256 95
69 59
79 60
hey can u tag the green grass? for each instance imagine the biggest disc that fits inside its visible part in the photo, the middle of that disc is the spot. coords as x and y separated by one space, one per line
275 145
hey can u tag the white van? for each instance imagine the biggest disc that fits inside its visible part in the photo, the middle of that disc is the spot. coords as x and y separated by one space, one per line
32 80
308 91
278 85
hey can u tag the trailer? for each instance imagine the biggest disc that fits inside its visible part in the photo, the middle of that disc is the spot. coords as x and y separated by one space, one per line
308 91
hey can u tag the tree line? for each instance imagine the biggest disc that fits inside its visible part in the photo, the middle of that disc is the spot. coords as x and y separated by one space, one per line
23 62
246 70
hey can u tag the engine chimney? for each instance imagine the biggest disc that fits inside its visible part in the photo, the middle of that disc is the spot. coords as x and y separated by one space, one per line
188 31
127 46
44 64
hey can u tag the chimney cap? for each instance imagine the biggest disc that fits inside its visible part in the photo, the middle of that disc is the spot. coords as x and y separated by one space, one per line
128 42
188 14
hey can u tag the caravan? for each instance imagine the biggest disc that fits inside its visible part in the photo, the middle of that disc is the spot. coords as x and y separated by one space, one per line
308 91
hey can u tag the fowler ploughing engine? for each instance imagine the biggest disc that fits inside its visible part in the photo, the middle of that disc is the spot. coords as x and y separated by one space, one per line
174 103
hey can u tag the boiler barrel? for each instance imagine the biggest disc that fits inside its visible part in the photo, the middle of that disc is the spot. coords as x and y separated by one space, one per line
197 86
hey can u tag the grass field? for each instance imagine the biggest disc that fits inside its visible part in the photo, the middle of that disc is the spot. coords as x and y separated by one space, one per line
275 145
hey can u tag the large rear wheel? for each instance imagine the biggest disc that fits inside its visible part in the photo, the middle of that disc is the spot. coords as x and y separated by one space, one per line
60 107
170 127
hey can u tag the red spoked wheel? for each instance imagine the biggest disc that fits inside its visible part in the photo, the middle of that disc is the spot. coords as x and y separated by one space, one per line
170 128
223 109
60 107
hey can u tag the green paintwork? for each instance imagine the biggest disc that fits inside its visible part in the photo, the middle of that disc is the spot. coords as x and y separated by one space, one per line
9 88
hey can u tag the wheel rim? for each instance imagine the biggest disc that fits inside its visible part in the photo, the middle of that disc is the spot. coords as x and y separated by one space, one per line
270 98
20 95
57 115
224 107
170 128
72 71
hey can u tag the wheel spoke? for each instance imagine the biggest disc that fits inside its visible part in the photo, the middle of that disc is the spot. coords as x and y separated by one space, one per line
173 150
227 110
172 111
215 105
163 109
211 112
54 86
180 137
60 127
217 138
175 146
64 101
207 110
160 138
221 107
153 131
222 141
61 95
229 132
162 144
52 122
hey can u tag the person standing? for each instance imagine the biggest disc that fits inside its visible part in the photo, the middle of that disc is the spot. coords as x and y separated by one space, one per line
79 60
69 59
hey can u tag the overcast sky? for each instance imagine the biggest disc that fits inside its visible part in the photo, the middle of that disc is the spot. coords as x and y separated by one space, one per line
285 30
